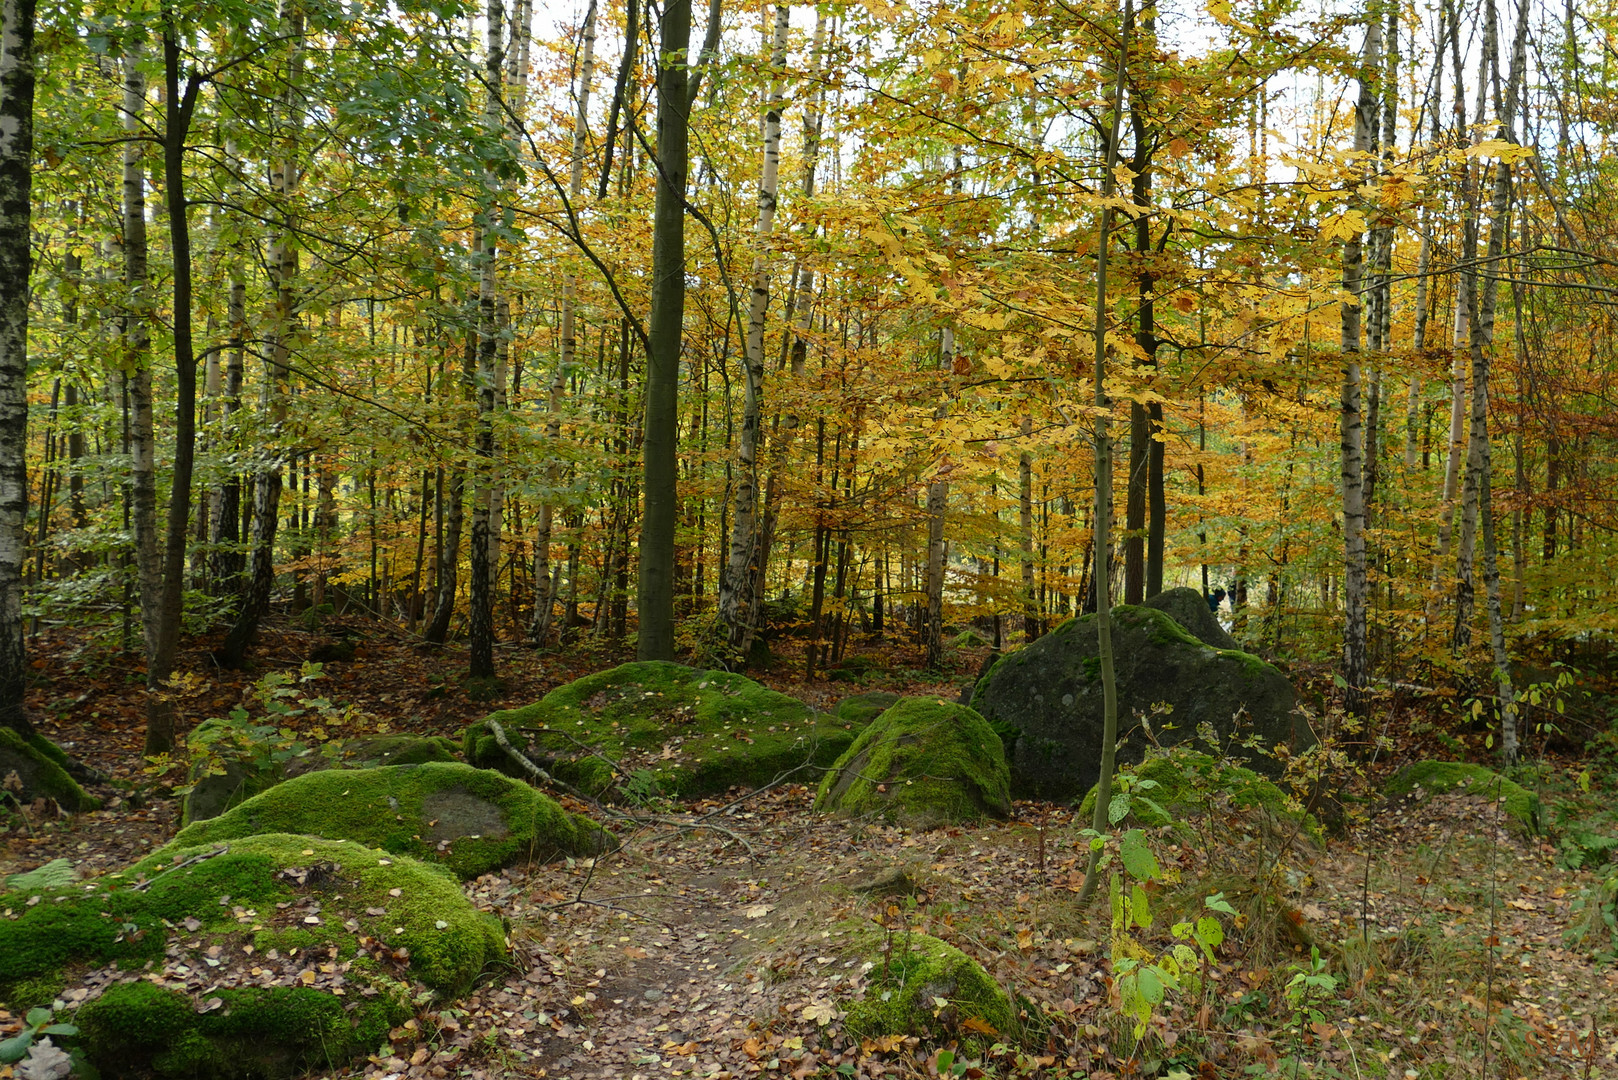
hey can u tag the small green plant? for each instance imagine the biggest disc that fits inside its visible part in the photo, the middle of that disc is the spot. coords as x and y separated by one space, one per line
261 737
640 788
39 1023
1142 979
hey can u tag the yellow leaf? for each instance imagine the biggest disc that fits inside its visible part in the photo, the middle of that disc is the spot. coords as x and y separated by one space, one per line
1500 148
1220 10
1342 225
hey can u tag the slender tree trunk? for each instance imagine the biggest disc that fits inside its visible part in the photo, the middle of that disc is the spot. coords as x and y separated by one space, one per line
1103 473
164 644
1356 666
544 600
480 598
735 601
283 272
1480 344
16 207
937 503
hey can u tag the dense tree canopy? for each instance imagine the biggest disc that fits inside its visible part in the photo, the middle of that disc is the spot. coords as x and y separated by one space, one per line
384 306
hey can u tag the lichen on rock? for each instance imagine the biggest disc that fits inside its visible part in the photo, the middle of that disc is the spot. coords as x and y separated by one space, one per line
924 762
686 731
471 820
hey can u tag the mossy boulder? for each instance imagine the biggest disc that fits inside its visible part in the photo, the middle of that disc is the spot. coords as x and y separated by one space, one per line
925 762
1050 695
228 770
684 731
1185 783
264 957
1187 607
473 821
863 708
909 975
1446 777
41 771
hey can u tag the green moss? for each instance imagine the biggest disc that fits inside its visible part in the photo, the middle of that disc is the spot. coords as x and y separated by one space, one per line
1187 780
925 761
1160 626
908 980
42 768
252 1032
1442 777
696 732
863 708
472 820
1252 666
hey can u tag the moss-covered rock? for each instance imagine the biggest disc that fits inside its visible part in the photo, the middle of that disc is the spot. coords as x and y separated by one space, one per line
1187 607
41 770
272 911
1445 777
686 731
271 956
471 820
923 761
228 769
861 709
909 975
1184 783
1050 693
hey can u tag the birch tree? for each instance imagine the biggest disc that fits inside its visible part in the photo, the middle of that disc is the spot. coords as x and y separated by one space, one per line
1356 669
16 216
735 609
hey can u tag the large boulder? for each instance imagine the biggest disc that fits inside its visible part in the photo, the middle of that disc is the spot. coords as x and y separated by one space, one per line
473 821
924 762
35 768
266 957
1049 694
232 762
1187 607
653 727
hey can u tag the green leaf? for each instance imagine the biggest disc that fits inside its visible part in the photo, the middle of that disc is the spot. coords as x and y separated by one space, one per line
1141 906
1138 859
1217 902
1149 985
1118 808
59 1029
15 1048
38 1017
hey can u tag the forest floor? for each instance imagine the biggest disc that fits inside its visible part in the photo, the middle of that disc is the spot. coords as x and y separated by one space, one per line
714 945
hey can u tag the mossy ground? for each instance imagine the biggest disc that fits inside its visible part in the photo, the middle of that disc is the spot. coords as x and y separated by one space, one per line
42 767
689 732
471 820
252 1032
272 890
1444 777
1187 782
923 761
910 974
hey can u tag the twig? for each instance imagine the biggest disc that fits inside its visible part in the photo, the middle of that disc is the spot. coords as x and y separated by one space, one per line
192 861
528 766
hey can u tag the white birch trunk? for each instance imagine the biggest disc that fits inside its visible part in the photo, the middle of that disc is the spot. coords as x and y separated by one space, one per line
735 603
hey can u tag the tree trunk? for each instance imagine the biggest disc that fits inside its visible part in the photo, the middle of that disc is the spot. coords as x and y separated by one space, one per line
16 207
1103 475
1356 667
735 584
544 600
1480 338
480 598
283 273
